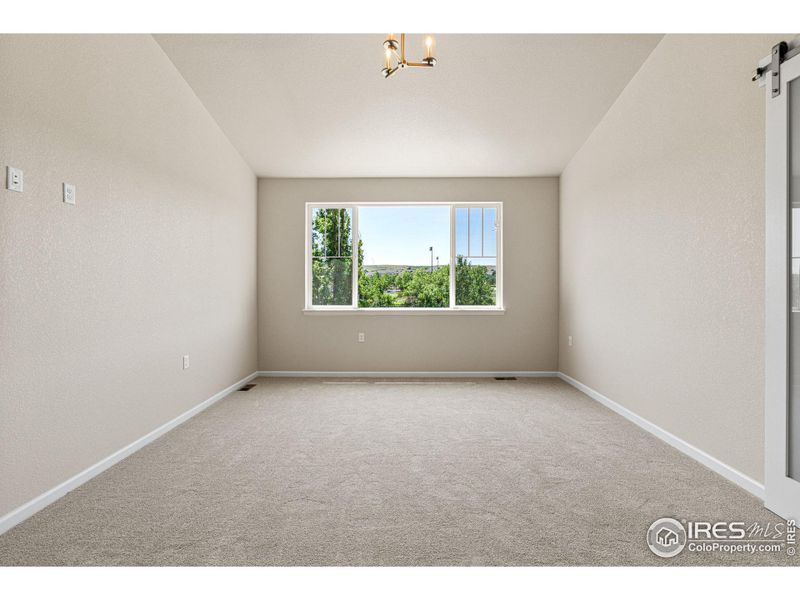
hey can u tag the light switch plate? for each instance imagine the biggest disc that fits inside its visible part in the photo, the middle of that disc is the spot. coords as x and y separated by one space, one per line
69 193
13 179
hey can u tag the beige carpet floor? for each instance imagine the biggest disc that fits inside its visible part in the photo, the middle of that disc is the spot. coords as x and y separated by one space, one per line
308 472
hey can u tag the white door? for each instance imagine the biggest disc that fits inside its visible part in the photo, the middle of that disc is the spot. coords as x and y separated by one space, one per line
782 393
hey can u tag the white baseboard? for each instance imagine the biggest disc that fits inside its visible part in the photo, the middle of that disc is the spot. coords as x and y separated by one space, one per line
455 374
28 509
747 483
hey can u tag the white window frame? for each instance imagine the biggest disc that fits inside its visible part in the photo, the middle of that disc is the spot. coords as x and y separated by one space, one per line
496 309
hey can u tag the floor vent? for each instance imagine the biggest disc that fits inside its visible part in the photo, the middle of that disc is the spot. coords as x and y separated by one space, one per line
506 378
247 388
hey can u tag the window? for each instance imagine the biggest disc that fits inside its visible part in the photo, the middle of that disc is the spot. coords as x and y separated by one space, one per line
331 256
395 257
476 256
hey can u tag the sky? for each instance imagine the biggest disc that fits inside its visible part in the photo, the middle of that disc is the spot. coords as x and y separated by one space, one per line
402 235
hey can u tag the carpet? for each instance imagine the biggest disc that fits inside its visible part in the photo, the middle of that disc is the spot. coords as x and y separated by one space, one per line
359 472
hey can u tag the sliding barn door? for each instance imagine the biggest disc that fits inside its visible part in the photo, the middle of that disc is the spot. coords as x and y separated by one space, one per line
782 476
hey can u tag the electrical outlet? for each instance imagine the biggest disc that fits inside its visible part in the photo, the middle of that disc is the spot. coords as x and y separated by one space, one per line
569 340
69 193
361 337
14 179
185 361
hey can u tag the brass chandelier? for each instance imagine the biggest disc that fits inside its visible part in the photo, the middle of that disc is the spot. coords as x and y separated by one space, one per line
395 53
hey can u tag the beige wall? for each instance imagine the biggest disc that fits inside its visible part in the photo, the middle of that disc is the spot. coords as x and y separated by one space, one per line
99 301
662 248
523 339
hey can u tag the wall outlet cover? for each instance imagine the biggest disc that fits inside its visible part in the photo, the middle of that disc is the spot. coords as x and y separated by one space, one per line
69 193
14 179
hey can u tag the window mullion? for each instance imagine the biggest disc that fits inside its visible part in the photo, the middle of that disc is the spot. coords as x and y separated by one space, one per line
452 256
498 255
354 254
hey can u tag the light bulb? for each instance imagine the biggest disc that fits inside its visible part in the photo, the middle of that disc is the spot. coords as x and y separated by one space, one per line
388 58
428 46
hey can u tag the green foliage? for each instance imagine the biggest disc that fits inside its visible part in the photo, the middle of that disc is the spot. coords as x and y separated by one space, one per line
475 285
425 288
332 257
372 290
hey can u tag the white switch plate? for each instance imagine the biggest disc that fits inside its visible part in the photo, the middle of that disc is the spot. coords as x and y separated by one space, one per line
69 193
569 340
361 337
14 179
185 361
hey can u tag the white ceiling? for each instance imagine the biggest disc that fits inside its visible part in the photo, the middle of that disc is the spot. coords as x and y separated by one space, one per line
494 106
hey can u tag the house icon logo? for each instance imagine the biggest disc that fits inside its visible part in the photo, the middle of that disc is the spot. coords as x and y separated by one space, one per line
666 537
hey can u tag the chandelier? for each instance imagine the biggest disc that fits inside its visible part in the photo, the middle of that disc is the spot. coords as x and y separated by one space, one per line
395 53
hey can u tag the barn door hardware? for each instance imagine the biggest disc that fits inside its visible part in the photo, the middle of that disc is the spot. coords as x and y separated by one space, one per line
780 54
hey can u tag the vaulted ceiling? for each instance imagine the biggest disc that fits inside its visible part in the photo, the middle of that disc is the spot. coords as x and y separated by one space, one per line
494 106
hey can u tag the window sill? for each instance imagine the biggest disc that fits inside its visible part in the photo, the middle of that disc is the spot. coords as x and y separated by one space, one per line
493 311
